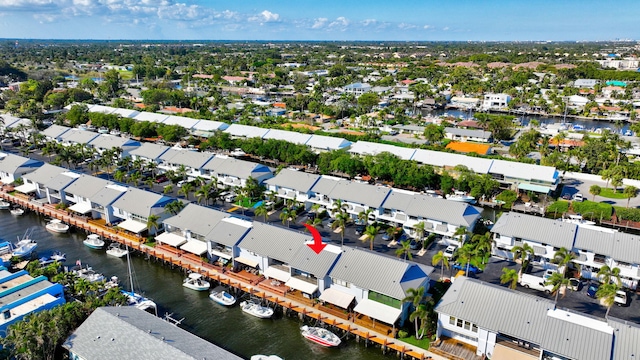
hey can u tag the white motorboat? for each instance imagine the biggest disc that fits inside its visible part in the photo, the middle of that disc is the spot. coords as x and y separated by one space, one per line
461 196
222 297
5 205
115 249
17 211
254 308
93 241
195 282
88 274
265 357
6 252
25 245
58 256
55 257
57 226
320 336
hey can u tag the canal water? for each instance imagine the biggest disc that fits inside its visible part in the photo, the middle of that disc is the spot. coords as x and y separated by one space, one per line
229 328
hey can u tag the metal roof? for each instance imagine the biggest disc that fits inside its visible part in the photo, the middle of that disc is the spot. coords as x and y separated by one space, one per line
323 142
126 113
210 125
398 200
369 148
528 227
450 160
325 185
107 195
518 170
54 131
294 179
87 186
377 272
185 122
245 131
289 136
149 150
627 339
188 158
197 219
125 332
151 117
626 247
318 265
60 182
452 212
10 163
468 132
44 173
527 317
105 141
78 136
274 242
101 109
139 202
242 169
599 242
360 193
228 232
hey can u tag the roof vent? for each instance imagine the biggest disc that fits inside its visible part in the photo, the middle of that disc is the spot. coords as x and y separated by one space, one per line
112 339
163 338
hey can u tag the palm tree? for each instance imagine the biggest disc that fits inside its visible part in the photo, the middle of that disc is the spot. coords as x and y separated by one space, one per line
419 228
523 252
608 275
420 313
203 193
134 178
119 176
630 192
483 244
558 281
167 189
370 234
340 222
405 249
415 297
186 189
563 257
465 254
607 295
461 233
595 190
440 258
152 223
338 207
261 210
174 207
315 222
509 276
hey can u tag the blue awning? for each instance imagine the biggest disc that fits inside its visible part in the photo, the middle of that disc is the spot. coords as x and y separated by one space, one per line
536 188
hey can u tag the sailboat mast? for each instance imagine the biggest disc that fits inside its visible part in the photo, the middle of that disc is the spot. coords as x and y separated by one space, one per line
129 269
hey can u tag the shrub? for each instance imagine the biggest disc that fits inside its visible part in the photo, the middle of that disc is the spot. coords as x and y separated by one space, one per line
632 214
509 197
402 334
557 208
593 210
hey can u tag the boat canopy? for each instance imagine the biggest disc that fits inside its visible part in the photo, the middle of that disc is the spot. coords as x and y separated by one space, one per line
195 246
277 274
171 239
304 286
133 226
81 208
246 261
337 297
378 311
26 188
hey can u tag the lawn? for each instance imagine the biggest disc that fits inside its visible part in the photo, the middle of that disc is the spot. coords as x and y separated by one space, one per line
424 343
611 194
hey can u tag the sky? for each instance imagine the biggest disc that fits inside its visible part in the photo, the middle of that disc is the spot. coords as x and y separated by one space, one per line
402 20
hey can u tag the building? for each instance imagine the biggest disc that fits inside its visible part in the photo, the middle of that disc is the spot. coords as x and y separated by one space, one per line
135 207
495 101
149 152
357 89
290 184
585 83
234 172
107 142
22 295
13 167
125 332
76 136
458 134
54 132
505 324
35 180
91 196
190 161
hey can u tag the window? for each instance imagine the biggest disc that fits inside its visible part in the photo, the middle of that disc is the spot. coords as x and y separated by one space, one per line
474 328
467 325
340 282
459 323
452 320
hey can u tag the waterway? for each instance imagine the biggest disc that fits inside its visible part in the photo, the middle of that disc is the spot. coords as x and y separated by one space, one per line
229 328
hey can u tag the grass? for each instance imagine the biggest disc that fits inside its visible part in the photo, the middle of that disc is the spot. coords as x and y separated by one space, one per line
611 194
423 343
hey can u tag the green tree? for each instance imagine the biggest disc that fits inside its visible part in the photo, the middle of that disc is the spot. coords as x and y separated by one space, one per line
563 257
415 297
405 250
152 223
439 258
261 210
607 275
509 276
523 252
370 234
186 190
368 100
607 295
630 192
595 190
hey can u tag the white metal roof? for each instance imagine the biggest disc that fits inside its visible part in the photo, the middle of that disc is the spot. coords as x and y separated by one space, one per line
370 148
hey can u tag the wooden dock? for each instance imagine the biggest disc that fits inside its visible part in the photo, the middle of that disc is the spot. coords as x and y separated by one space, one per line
249 283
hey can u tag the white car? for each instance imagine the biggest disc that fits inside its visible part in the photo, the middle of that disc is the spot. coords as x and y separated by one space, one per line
449 251
621 298
578 197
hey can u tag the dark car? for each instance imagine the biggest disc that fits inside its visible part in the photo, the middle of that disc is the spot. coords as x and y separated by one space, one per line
360 229
160 179
592 289
463 267
414 245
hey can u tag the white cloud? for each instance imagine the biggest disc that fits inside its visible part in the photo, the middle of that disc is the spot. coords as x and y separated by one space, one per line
405 26
341 23
445 28
264 17
427 27
319 23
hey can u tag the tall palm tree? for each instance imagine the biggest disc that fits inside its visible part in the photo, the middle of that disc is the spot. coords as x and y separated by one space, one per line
316 222
439 258
607 275
415 297
341 220
261 210
167 189
338 207
419 228
462 234
174 207
119 176
152 223
563 257
630 192
420 313
483 244
465 254
558 281
607 295
509 276
186 189
370 234
523 252
405 250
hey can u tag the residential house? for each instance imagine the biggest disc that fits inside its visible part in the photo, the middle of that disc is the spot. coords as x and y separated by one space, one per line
439 216
585 83
185 122
409 129
357 89
495 101
92 196
356 197
107 142
13 167
322 143
234 172
458 134
54 132
149 152
525 177
23 294
56 186
377 283
206 128
464 102
126 333
35 180
150 117
76 136
292 184
505 324
190 161
223 239
289 136
245 131
135 207
369 148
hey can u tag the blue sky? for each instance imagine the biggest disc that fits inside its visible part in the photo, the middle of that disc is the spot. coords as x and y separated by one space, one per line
427 20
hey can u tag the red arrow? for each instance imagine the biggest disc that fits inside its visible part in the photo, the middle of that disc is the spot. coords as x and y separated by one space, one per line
317 245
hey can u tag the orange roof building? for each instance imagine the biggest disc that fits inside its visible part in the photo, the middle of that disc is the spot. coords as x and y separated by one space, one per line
468 147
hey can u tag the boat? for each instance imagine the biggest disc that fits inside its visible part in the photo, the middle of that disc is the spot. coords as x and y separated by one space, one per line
114 132
320 336
103 130
195 282
93 241
222 297
254 308
57 226
265 357
136 299
116 250
87 273
5 205
6 253
461 196
25 246
58 256
577 219
17 211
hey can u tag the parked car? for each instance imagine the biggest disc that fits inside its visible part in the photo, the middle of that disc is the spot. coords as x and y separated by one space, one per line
161 179
592 289
182 182
578 197
472 268
574 284
449 251
621 298
230 198
360 228
414 245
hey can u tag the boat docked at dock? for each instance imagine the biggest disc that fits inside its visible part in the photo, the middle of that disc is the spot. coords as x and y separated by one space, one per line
5 205
461 196
222 297
25 245
6 253
57 256
195 282
320 336
57 226
17 212
87 273
116 250
254 308
93 241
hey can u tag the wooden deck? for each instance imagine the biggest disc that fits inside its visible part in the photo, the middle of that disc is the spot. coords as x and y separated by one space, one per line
362 327
454 349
